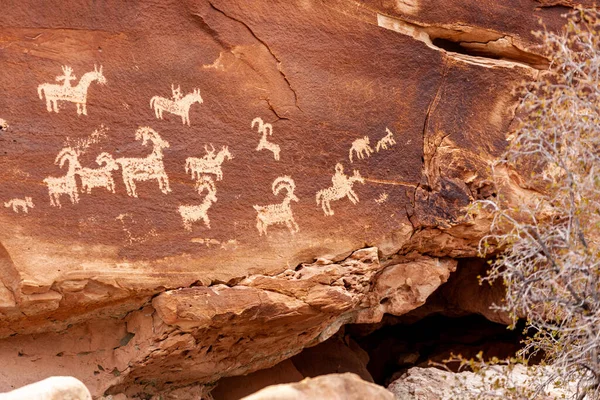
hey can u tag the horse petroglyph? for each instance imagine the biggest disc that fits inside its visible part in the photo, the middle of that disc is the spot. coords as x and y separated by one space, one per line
342 187
99 177
193 213
67 184
278 213
387 140
178 105
361 148
209 164
24 204
147 168
66 92
265 129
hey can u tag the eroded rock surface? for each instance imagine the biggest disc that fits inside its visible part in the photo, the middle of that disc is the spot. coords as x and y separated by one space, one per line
201 189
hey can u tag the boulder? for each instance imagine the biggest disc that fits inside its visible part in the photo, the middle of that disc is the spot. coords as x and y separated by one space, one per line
53 388
333 386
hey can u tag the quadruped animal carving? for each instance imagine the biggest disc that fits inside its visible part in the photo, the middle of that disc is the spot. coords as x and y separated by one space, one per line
193 213
341 187
278 213
147 168
64 185
387 140
361 148
99 177
265 129
209 164
23 204
66 92
178 105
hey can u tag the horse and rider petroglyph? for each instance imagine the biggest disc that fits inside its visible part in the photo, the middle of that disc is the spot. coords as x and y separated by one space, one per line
66 92
178 105
387 140
278 213
194 213
265 129
23 204
146 168
361 148
209 164
341 187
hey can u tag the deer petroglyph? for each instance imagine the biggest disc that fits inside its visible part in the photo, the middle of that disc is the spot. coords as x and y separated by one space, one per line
178 105
361 148
23 204
278 213
66 184
147 168
341 187
193 213
66 92
209 164
265 129
387 140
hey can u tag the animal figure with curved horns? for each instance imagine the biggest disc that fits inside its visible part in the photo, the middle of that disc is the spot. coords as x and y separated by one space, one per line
66 92
278 213
178 106
147 168
193 213
342 187
265 129
67 184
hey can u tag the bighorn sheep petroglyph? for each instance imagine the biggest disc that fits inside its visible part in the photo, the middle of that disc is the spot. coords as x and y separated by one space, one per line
67 184
278 213
99 177
66 92
193 213
147 168
265 129
342 187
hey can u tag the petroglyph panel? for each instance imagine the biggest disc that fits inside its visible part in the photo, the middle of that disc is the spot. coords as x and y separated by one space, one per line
177 105
53 93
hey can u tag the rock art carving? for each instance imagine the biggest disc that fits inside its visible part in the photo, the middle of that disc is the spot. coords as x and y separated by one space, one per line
387 140
342 187
382 198
80 145
67 184
24 204
66 92
278 213
265 129
361 148
209 164
99 177
178 105
3 125
147 168
193 213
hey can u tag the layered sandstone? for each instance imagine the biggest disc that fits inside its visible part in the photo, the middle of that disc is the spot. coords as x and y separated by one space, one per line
201 189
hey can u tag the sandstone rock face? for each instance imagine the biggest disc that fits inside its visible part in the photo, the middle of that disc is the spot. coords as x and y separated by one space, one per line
201 189
334 386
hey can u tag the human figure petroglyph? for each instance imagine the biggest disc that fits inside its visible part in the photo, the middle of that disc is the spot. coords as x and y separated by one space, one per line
193 213
278 213
361 148
23 204
147 168
99 177
67 184
178 105
265 129
209 164
387 140
342 187
66 92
